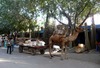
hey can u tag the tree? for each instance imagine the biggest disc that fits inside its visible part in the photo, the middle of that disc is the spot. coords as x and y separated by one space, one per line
19 14
72 10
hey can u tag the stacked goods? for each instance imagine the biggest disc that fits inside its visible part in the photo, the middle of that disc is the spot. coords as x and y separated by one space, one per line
34 43
80 48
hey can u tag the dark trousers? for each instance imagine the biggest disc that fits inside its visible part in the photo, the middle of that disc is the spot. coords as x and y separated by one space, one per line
97 48
9 49
41 35
12 47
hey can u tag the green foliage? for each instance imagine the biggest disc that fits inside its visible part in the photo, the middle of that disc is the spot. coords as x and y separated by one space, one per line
73 10
20 15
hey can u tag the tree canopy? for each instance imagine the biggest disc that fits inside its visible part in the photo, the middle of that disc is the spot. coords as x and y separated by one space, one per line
20 15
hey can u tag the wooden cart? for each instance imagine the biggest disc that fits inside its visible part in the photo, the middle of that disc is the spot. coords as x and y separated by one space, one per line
32 49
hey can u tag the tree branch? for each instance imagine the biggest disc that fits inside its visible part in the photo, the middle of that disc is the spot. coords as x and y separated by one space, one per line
67 16
82 9
85 18
56 18
59 21
77 14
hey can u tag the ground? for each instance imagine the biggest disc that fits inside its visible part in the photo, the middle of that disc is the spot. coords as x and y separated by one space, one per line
25 60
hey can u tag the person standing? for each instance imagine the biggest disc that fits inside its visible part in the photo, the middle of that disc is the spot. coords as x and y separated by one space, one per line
12 44
9 46
0 40
5 41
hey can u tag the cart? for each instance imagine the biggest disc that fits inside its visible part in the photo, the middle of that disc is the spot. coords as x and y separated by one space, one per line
32 49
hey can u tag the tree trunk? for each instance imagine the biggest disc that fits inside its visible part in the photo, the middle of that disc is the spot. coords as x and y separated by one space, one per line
46 29
87 42
93 33
29 34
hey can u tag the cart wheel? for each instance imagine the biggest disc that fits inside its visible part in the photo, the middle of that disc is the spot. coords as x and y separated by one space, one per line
42 51
20 49
33 51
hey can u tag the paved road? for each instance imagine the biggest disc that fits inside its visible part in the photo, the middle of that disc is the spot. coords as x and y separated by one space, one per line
24 60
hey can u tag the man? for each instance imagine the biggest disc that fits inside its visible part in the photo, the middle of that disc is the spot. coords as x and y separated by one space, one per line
9 46
41 32
12 44
59 30
0 40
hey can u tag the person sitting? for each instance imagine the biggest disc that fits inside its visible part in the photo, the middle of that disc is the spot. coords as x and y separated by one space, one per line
59 31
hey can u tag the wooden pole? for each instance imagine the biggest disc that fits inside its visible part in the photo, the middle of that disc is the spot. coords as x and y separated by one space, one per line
93 33
87 42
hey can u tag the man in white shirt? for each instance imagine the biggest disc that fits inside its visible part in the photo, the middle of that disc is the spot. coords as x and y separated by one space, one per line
59 30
